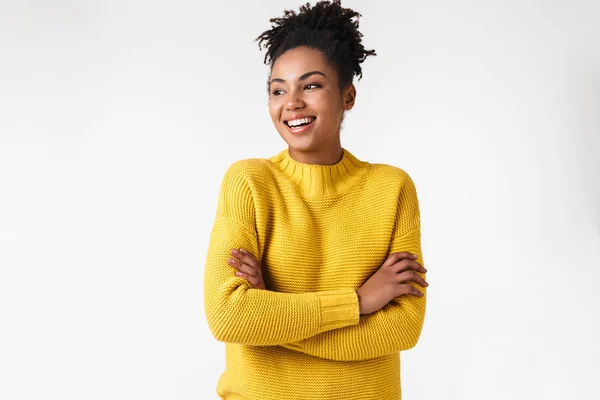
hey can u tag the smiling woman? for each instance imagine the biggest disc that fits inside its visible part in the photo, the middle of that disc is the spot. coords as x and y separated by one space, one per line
311 102
314 275
313 57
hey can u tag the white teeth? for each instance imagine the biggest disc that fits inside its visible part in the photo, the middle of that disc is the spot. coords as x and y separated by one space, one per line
300 121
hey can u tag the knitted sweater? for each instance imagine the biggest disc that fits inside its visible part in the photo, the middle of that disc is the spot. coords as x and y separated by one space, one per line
319 231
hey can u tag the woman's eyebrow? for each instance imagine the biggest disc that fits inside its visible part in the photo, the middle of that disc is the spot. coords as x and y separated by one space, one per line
302 77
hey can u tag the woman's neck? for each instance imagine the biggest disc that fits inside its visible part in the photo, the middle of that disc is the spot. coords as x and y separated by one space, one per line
316 180
325 154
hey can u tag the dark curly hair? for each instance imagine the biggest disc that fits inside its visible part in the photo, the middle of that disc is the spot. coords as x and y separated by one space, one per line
326 27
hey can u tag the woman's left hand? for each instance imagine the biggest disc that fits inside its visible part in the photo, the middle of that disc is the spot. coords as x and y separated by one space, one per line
248 267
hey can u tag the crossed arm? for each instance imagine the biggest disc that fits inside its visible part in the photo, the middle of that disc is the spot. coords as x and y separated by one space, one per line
238 313
324 324
395 327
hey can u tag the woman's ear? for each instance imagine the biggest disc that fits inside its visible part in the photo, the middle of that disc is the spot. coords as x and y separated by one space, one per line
349 97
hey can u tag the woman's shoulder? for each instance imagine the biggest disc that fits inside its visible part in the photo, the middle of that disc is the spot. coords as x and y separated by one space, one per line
247 169
395 173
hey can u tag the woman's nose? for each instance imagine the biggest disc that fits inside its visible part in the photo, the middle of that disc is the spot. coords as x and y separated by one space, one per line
294 101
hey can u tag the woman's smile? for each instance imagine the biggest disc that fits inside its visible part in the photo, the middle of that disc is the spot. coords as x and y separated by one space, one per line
298 125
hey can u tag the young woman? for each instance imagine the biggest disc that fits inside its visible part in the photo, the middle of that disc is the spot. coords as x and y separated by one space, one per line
314 276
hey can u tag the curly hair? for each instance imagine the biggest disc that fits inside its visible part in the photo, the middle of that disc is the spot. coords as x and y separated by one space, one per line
326 27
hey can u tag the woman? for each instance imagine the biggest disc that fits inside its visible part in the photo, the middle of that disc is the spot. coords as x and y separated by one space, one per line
314 276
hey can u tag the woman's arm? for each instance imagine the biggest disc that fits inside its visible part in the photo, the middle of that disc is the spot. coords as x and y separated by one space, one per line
395 327
236 312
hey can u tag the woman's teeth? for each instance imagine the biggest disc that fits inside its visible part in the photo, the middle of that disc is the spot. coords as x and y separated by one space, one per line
299 122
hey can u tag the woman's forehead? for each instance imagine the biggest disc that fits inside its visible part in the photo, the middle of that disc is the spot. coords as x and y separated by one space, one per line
299 61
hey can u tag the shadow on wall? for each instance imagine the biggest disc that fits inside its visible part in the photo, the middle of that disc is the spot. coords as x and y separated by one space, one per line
587 146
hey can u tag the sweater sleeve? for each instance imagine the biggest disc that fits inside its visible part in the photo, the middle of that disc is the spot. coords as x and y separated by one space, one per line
395 327
238 313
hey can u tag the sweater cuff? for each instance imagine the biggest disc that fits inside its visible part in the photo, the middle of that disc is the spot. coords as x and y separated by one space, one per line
339 308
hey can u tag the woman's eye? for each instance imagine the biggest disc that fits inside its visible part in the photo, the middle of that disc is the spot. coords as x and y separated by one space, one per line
277 92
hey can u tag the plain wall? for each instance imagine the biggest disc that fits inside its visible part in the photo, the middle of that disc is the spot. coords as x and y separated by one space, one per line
118 120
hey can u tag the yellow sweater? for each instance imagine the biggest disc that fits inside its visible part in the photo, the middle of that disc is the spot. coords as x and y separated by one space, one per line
319 231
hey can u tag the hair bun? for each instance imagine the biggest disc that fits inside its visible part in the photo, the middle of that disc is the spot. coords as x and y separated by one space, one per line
326 26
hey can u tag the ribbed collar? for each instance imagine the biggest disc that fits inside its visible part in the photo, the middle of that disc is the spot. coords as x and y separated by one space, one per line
317 180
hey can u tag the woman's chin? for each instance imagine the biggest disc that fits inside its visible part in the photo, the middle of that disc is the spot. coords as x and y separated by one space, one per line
299 143
296 140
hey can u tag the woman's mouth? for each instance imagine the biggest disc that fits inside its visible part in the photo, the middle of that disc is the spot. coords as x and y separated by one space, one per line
300 125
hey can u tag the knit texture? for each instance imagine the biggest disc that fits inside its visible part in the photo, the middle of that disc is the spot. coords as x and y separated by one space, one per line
319 231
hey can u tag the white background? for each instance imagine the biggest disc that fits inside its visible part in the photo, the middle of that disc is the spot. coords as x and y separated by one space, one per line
118 120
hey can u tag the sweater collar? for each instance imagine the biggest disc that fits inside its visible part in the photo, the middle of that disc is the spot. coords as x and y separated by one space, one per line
318 180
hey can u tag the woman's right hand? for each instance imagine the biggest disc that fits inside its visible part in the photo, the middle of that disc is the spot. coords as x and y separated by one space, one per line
391 280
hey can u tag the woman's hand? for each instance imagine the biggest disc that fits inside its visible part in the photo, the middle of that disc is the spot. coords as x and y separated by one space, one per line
248 267
391 280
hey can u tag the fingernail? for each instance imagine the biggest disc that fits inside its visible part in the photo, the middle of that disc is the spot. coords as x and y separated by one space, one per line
239 273
415 256
243 251
234 251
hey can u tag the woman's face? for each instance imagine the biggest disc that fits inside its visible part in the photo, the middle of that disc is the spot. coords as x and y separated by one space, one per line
304 85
